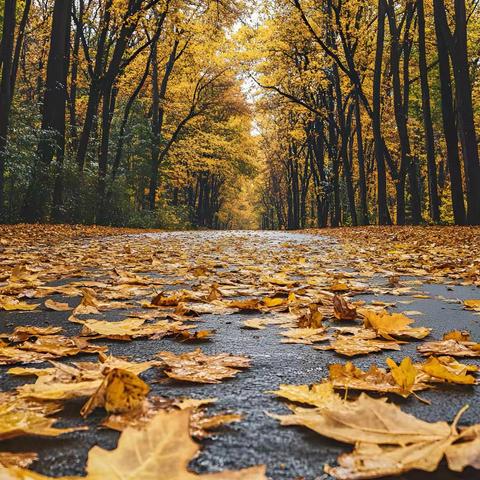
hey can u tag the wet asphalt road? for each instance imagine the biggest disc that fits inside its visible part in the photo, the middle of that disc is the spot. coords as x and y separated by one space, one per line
289 452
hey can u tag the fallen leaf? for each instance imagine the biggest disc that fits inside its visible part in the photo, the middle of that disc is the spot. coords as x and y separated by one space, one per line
59 346
120 391
367 420
472 305
318 395
250 305
392 325
453 348
161 450
436 369
358 345
341 309
311 317
306 336
197 367
17 459
199 335
200 423
57 306
11 304
88 305
81 379
348 377
22 417
460 336
20 334
405 374
339 287
131 328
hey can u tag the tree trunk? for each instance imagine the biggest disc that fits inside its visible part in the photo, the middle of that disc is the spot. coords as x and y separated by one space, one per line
6 53
347 171
383 214
159 92
94 90
466 124
52 143
448 117
361 165
434 201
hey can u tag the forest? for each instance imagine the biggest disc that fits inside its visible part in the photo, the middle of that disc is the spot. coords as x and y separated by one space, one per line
282 114
239 239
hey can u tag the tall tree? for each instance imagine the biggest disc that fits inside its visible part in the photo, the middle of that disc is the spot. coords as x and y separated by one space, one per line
456 43
6 58
52 142
434 202
383 214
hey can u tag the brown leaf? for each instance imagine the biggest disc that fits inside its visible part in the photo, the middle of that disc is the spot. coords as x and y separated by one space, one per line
161 450
23 417
121 391
306 336
453 348
17 459
197 367
20 334
341 309
57 306
392 325
358 345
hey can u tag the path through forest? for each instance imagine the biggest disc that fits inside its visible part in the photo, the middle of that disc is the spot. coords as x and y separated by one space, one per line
240 265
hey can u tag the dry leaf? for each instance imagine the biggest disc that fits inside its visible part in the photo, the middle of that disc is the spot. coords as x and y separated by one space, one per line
120 391
250 305
131 328
460 336
200 423
349 377
59 346
472 305
453 348
88 305
445 370
57 306
311 317
319 395
11 304
17 459
197 367
341 309
20 334
161 450
81 379
392 325
358 345
405 374
306 336
367 420
199 335
21 417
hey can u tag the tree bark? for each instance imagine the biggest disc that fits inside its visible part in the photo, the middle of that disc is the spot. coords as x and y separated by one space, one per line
448 118
466 124
52 143
434 201
361 165
159 92
383 214
6 52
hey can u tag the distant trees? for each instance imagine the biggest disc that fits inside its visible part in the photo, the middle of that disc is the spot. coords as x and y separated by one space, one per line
378 82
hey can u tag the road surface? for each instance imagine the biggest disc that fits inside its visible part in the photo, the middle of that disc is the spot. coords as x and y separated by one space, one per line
288 452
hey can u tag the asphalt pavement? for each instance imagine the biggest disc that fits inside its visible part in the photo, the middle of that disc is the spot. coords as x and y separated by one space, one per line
289 452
